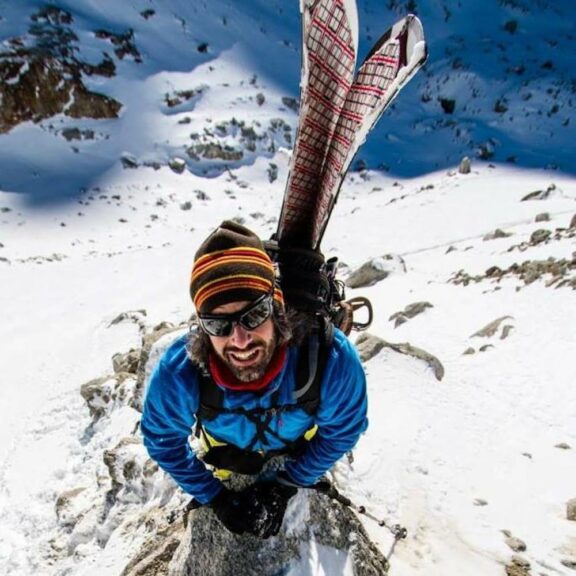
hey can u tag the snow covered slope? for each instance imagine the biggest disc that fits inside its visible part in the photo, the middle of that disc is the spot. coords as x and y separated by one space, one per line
486 453
192 83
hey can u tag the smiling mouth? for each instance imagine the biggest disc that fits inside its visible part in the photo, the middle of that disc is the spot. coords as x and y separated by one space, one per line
246 357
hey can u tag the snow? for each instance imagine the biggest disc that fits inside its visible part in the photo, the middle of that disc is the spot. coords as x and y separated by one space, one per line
456 461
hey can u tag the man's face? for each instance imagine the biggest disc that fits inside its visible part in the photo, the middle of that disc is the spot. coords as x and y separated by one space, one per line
246 353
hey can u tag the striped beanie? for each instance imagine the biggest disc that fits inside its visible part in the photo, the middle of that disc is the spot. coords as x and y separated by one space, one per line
231 265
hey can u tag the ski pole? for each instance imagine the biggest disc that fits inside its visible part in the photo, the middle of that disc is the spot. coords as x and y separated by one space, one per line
326 487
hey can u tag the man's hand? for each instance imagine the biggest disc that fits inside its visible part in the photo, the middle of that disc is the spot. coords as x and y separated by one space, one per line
257 510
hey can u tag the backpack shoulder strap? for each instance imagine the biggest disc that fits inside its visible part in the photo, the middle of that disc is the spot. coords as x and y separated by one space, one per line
309 371
211 397
311 363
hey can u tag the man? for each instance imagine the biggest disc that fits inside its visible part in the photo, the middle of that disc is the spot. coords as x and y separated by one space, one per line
238 382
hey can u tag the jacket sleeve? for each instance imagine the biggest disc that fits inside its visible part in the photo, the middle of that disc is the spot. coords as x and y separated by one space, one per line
168 416
341 417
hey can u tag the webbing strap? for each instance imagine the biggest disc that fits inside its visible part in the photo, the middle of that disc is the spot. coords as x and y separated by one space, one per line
313 357
309 371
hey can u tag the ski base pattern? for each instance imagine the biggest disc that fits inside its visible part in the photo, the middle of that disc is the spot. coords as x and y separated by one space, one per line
339 109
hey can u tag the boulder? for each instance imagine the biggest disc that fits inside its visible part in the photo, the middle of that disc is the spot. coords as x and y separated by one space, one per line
539 236
571 510
496 235
465 166
410 311
375 270
369 346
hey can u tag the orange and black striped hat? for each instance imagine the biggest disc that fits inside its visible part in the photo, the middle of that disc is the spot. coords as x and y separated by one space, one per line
231 265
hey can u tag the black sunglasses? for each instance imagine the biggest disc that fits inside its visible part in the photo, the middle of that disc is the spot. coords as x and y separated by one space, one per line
249 318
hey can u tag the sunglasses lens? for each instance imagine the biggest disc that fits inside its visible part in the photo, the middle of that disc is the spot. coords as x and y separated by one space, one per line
257 316
217 327
222 325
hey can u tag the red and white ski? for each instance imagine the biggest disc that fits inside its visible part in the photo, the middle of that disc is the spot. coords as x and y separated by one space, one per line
393 61
329 44
338 109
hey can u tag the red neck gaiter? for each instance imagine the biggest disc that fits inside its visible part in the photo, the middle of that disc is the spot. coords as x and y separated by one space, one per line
223 377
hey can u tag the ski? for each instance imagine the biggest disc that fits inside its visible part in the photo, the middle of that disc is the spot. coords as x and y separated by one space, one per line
329 45
392 62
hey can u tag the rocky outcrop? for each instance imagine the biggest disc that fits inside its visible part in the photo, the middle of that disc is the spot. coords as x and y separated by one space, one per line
131 498
194 543
234 140
41 75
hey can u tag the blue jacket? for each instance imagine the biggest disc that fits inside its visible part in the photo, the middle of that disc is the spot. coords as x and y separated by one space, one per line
172 399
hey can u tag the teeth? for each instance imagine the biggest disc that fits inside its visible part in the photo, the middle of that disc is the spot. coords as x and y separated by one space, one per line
244 355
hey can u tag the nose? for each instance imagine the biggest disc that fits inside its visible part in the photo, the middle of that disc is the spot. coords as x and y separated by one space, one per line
240 337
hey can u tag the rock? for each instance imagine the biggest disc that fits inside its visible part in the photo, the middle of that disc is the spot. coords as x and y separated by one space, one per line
542 217
125 464
539 236
123 43
129 161
215 151
569 563
491 328
374 271
368 346
186 205
540 194
410 311
260 99
290 103
448 104
97 394
506 331
496 235
573 222
35 88
563 446
480 502
208 549
177 165
102 394
515 544
571 510
41 74
465 166
272 172
179 97
135 316
469 351
68 510
518 567
127 362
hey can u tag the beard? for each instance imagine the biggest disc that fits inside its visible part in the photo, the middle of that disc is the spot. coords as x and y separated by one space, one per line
248 372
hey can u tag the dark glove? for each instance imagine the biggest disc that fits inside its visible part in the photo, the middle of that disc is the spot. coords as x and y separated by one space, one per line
234 510
257 510
270 499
